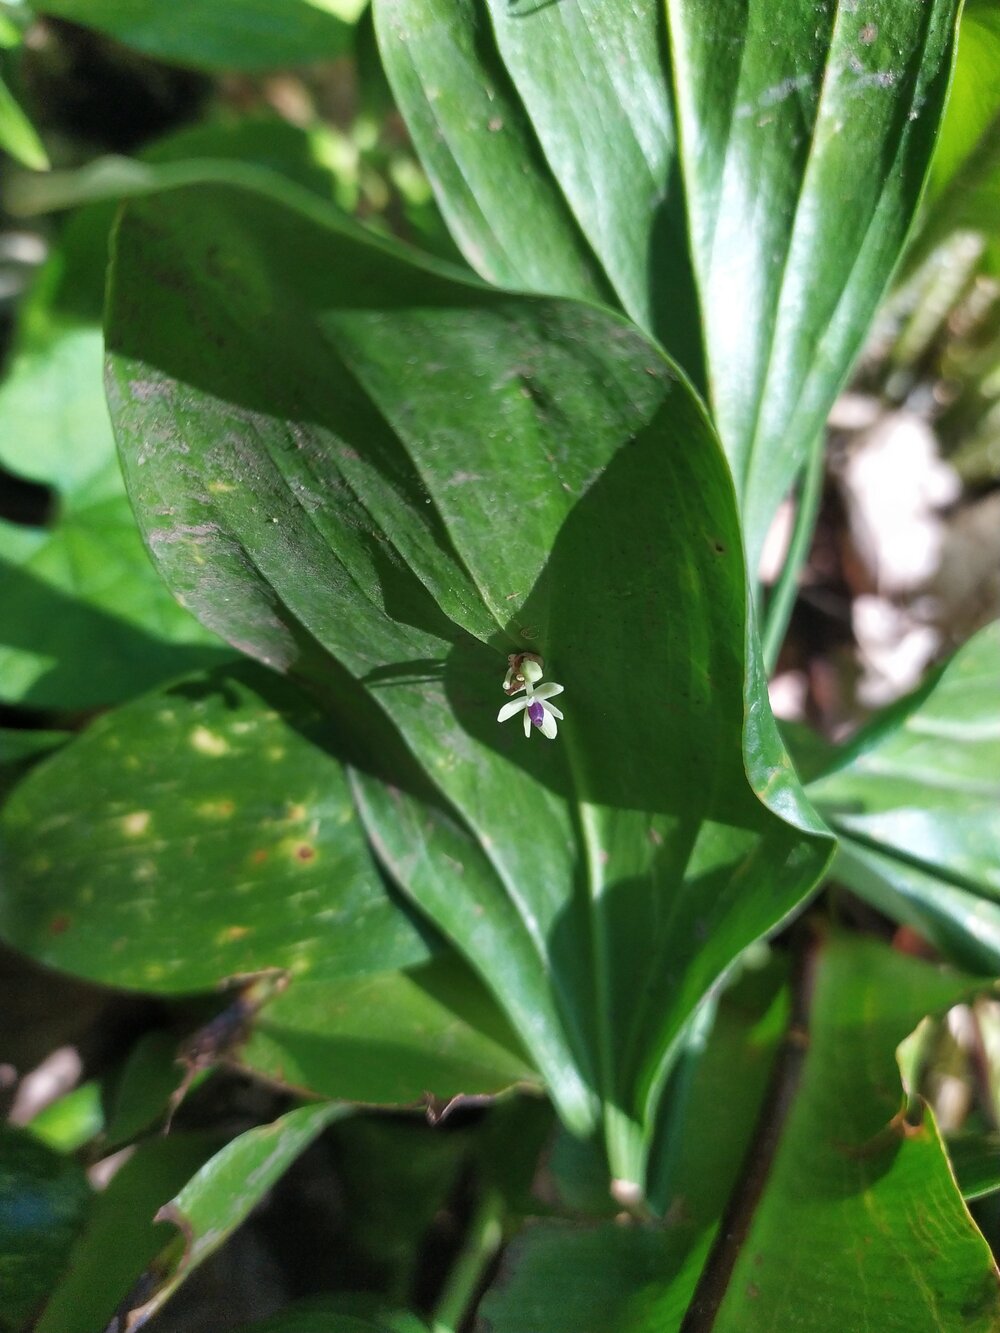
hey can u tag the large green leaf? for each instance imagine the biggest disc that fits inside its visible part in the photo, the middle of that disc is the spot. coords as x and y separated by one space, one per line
548 134
86 620
915 799
800 141
964 188
860 1222
393 1038
43 1202
120 1239
576 1278
806 131
241 34
848 1215
359 469
225 1190
196 834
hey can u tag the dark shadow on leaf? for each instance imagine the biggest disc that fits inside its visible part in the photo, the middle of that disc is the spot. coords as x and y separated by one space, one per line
406 673
640 617
521 10
97 658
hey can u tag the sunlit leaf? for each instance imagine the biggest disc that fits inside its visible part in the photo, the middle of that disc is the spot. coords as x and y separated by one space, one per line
222 1194
396 477
848 1215
242 34
193 835
915 798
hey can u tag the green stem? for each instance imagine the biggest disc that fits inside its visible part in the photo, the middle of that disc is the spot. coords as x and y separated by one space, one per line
782 599
482 1242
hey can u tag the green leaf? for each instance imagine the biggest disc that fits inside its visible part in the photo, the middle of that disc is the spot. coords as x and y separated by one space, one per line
848 1215
574 1279
226 1189
394 1038
975 1159
964 190
394 477
87 622
140 1096
43 1201
490 92
71 1120
915 799
247 146
805 134
801 141
559 1278
121 1239
325 1314
240 35
860 1223
196 834
86 619
18 136
20 749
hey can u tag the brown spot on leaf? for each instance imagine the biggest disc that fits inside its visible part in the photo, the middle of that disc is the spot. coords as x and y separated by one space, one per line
304 851
59 924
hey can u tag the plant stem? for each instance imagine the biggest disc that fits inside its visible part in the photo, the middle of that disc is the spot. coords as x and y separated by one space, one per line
782 599
482 1242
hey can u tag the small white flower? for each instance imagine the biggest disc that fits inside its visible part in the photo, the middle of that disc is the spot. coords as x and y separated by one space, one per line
537 710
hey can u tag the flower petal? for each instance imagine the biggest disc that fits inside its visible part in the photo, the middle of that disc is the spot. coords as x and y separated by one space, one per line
510 709
556 712
527 723
548 727
549 690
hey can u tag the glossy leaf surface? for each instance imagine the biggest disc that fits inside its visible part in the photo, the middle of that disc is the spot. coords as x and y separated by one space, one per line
915 798
85 619
548 135
860 1221
196 834
964 190
578 1278
394 1038
224 1191
242 34
396 477
849 1219
87 622
803 157
798 160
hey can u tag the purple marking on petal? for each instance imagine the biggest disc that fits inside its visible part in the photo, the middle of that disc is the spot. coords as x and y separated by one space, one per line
536 712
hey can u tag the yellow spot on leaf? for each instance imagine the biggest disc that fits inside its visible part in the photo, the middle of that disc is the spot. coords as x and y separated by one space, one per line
296 813
208 742
216 809
135 824
231 933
